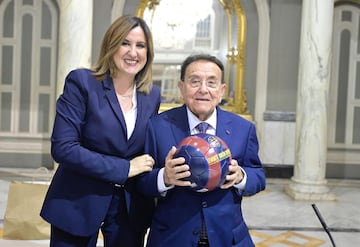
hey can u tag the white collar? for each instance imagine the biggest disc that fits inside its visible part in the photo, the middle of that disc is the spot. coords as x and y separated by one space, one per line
194 121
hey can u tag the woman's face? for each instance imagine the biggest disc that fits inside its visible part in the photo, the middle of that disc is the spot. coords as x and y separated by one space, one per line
131 56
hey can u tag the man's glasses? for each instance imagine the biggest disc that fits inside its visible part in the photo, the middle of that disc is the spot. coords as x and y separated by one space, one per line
197 83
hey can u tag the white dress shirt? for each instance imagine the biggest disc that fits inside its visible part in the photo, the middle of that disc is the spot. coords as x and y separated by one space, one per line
130 116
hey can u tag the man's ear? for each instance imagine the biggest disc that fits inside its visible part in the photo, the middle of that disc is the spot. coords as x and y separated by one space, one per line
222 90
180 84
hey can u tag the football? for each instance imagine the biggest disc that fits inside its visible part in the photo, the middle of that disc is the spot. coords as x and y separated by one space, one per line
208 157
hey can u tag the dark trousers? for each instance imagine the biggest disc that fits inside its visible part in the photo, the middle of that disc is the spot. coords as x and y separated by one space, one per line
59 238
116 229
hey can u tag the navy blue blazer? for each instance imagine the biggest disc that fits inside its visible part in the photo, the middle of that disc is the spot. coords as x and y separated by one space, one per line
177 219
89 142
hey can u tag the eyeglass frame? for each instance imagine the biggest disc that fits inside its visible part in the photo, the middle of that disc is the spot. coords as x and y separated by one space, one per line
196 82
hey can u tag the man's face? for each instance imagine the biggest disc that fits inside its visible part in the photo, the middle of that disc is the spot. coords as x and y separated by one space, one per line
202 89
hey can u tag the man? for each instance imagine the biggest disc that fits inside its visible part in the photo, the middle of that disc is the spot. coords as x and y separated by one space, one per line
184 217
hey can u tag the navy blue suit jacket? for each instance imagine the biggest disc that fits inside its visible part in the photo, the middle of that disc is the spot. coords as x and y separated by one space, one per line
177 219
89 142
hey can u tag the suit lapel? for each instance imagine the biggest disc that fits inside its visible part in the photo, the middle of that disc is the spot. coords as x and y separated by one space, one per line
224 128
110 94
141 108
180 125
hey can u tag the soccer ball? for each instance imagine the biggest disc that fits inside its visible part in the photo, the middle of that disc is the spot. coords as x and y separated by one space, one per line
208 157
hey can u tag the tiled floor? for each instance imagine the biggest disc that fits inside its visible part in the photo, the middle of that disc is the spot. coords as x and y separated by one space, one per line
274 218
277 220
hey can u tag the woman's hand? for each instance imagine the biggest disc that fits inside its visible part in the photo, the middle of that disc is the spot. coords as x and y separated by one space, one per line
140 164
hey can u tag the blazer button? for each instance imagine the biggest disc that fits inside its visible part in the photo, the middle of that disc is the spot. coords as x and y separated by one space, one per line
204 204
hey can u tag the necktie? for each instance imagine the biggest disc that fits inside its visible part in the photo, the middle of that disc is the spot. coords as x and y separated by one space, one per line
202 127
203 241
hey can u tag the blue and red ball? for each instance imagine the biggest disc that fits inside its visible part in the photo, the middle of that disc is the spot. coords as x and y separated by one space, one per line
208 157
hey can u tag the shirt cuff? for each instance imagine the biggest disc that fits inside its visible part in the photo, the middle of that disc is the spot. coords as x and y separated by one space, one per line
161 184
241 186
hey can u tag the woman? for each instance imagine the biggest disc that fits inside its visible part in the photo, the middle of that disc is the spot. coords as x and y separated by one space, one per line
98 141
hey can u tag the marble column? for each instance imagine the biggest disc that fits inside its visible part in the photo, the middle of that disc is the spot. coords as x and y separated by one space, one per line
117 9
75 37
308 181
262 8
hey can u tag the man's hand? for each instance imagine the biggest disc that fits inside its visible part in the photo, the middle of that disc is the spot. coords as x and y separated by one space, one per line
175 170
235 175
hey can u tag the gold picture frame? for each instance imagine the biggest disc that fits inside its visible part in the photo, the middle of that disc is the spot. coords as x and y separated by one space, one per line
235 54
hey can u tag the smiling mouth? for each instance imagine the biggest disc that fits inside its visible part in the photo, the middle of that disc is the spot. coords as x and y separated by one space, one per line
205 100
131 62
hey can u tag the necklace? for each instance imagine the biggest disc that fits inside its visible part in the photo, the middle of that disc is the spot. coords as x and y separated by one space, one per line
125 95
128 94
